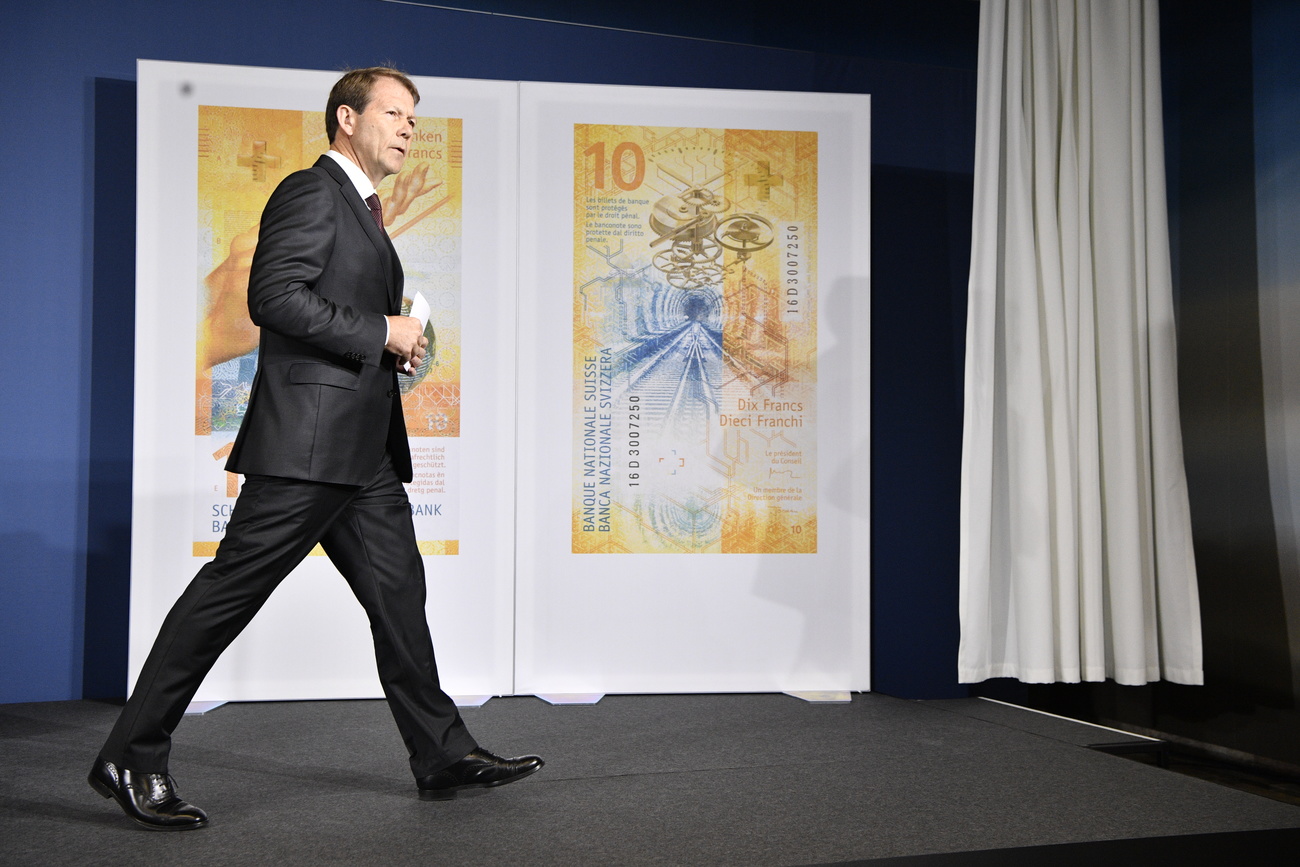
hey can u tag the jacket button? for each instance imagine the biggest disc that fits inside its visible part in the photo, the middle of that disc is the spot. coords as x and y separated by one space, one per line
392 393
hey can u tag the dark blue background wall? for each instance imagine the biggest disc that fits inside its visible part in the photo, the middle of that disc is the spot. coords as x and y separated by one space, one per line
67 247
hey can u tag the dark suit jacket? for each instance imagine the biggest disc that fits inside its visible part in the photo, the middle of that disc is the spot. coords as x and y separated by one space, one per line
324 404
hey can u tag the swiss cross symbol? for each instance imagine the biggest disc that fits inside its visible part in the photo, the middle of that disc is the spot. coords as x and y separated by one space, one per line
259 160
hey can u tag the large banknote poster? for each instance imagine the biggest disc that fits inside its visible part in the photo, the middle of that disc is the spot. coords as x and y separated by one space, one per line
214 141
695 340
242 154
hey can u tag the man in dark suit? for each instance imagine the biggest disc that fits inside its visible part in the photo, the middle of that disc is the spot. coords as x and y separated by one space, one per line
324 453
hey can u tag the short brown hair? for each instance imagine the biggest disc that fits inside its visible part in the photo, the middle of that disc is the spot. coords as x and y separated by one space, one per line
353 90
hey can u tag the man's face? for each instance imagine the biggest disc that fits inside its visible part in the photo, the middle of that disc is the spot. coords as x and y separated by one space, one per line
381 135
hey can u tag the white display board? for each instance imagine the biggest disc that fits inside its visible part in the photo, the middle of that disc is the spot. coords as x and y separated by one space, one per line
213 141
643 465
693 391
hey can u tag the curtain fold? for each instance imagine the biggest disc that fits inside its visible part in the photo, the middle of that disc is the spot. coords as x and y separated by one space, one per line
1076 550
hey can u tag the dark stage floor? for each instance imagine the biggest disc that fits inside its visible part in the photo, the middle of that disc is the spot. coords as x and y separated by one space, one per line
685 779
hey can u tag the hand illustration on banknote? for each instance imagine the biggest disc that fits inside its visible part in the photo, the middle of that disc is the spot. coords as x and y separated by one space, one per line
408 187
227 332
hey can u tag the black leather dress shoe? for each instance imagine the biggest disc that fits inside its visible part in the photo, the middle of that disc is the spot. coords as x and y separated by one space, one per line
478 770
149 799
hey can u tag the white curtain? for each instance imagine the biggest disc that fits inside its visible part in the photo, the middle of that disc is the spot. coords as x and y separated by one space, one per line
1076 550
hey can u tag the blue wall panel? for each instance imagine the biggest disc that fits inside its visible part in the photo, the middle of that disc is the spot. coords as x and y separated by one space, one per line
66 251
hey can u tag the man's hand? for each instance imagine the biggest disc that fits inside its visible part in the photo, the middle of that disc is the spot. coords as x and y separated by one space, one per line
406 340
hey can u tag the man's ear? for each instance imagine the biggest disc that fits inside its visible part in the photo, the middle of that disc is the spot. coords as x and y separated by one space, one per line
347 119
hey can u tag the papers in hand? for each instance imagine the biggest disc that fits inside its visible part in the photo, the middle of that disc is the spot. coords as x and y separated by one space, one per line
420 308
420 311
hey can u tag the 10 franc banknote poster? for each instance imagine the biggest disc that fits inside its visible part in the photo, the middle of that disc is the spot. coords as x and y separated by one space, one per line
243 153
695 340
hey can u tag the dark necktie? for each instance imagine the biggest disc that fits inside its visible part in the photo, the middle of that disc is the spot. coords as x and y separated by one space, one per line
375 211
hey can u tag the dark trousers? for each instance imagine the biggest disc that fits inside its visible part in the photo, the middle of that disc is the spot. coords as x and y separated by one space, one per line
368 534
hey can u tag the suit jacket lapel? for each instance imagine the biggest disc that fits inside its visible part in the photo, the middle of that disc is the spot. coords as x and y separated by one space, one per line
392 271
383 245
